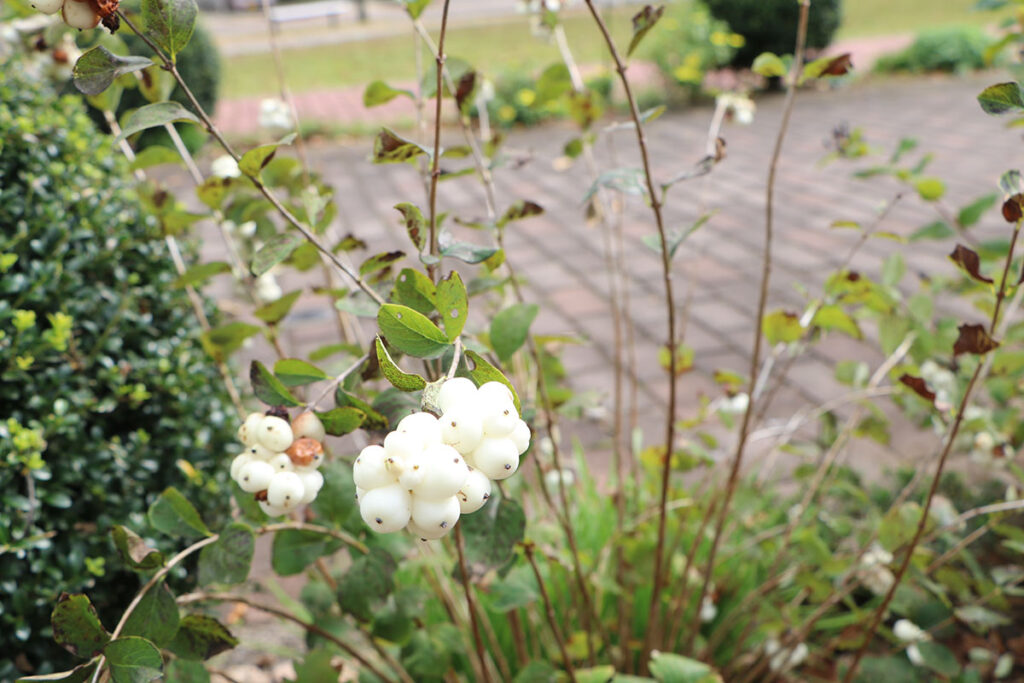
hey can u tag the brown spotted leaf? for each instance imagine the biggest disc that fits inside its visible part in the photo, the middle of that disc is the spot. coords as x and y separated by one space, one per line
970 262
918 386
974 339
1012 208
464 89
643 22
77 627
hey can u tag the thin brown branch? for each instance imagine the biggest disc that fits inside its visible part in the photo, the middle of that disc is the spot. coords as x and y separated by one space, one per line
435 166
549 612
471 607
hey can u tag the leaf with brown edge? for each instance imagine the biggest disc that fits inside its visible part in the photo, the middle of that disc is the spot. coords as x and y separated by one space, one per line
970 262
829 66
643 22
918 386
464 90
1012 208
974 339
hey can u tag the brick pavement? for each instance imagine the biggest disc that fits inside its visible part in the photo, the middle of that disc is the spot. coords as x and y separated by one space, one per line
717 270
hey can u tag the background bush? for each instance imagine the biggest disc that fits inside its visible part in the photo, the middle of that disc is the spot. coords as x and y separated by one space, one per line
99 357
688 42
770 25
948 48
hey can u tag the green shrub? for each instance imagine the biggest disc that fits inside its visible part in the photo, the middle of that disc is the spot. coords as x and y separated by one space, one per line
948 48
99 359
687 42
770 25
525 101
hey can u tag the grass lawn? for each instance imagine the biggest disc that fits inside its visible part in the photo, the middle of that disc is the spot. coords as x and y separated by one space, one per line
509 46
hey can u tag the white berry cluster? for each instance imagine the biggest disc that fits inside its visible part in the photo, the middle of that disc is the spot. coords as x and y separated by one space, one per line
280 460
80 14
432 470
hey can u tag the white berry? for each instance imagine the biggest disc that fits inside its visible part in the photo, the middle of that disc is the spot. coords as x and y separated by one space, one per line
423 427
370 469
462 427
260 452
436 515
272 510
79 15
275 433
312 482
255 476
247 432
415 469
285 490
474 492
495 391
455 392
308 425
47 6
500 419
446 472
399 447
360 492
496 458
424 534
282 463
240 461
521 436
386 509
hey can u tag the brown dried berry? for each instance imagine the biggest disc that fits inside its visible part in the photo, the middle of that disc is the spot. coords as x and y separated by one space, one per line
304 452
104 8
261 495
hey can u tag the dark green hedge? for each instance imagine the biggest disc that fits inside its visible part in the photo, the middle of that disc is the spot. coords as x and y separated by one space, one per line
119 403
770 25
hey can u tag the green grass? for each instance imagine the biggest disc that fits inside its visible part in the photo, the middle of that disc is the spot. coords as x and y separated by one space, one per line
509 46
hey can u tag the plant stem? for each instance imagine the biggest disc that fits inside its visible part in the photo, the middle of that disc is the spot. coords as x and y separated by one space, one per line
470 601
549 612
336 381
435 167
766 268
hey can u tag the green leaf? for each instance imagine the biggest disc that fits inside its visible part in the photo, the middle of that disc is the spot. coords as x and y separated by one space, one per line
518 211
316 666
337 498
415 7
625 180
154 115
782 326
981 618
671 668
933 231
483 372
134 551
643 22
133 660
554 82
467 252
268 388
157 155
77 627
538 672
295 373
273 251
173 515
221 342
390 148
255 160
411 332
510 328
595 674
294 550
379 266
833 317
342 421
676 238
415 290
971 214
201 637
517 589
492 533
96 69
379 92
169 23
201 272
229 560
415 224
939 658
400 380
155 618
1001 98
930 188
373 420
366 584
276 311
453 304
185 671
79 674
769 65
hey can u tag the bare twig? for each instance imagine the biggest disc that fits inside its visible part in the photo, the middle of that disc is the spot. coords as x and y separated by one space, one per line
471 606
549 612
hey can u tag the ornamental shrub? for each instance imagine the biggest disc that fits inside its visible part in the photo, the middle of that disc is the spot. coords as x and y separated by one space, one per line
770 25
688 42
106 396
947 48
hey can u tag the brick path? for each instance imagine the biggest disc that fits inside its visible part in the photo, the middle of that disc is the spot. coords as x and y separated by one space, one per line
717 271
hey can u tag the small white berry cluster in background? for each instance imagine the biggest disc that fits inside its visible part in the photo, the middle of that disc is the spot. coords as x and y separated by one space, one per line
430 471
80 14
280 460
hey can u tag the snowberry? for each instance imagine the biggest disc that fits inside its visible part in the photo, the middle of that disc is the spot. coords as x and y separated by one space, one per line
424 534
312 482
521 436
423 427
260 452
499 418
255 476
386 509
47 6
495 391
285 490
435 515
399 447
474 493
446 472
455 392
274 433
415 469
282 463
79 15
360 492
306 452
308 426
272 510
462 428
496 458
240 461
370 469
247 432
